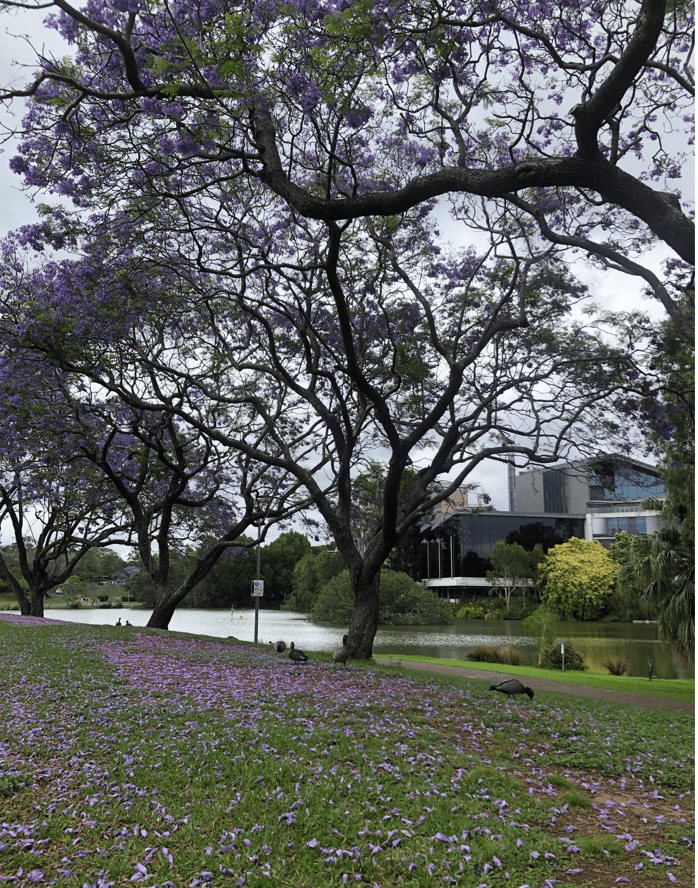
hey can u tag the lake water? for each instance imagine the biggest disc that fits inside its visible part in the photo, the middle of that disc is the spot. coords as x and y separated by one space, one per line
635 642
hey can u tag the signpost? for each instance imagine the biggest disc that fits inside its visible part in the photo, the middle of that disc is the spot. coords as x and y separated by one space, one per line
562 648
257 590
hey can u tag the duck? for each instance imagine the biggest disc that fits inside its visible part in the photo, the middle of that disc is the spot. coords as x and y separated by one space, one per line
118 622
342 654
297 655
512 687
279 646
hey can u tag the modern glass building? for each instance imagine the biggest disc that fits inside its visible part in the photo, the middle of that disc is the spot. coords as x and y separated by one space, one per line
608 490
455 553
587 500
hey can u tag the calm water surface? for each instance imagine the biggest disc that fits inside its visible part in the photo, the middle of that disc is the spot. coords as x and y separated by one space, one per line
635 642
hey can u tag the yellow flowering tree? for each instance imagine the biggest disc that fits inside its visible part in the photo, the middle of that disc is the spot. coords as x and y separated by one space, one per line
577 579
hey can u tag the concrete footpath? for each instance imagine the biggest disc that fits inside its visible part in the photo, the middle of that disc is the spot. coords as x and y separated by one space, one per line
541 684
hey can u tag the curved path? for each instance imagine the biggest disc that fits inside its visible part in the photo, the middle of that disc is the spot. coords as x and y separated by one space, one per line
541 684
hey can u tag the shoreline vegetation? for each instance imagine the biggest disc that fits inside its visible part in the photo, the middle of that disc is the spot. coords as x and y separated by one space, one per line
170 760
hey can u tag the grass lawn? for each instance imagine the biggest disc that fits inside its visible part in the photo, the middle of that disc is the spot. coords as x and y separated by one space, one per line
134 756
673 688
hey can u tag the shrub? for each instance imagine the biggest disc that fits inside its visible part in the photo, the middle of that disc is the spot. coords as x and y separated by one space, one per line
495 615
511 656
489 653
518 610
471 612
482 653
552 658
617 665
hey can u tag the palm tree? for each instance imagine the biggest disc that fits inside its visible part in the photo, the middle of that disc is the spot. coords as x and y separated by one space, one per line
665 566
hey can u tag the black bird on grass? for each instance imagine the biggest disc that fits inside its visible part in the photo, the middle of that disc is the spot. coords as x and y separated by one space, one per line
297 655
512 687
341 655
279 646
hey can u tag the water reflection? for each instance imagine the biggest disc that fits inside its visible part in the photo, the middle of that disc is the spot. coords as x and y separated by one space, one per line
635 642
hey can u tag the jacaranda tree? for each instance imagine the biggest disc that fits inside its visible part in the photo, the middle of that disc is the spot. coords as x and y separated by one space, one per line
308 356
54 506
567 115
82 468
285 161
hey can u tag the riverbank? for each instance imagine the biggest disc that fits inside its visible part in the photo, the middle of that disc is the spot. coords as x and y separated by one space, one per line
678 690
599 642
171 760
654 701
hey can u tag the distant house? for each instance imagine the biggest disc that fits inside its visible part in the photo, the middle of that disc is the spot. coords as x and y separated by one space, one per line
590 500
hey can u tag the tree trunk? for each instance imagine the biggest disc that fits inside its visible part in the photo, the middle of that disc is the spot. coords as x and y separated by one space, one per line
165 604
37 604
17 590
364 620
25 607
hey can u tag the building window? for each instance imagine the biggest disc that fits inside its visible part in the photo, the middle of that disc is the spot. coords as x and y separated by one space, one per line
554 499
633 526
461 546
617 481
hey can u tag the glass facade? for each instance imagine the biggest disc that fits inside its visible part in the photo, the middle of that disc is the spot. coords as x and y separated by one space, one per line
461 546
618 481
629 525
554 499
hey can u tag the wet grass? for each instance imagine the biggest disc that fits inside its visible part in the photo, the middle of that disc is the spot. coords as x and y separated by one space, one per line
672 689
133 756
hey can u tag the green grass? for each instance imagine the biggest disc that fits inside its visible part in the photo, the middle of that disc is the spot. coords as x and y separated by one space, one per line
673 689
136 756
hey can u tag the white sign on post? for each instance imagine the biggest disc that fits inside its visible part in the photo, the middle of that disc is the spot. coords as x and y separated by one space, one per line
257 588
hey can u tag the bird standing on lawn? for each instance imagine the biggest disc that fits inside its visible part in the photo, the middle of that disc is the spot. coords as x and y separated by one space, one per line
297 655
512 687
279 646
341 655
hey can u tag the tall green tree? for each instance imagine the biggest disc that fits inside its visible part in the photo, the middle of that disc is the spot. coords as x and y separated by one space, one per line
577 579
278 560
311 574
513 567
663 564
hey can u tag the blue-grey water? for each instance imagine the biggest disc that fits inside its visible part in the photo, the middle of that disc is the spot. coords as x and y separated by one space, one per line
635 642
